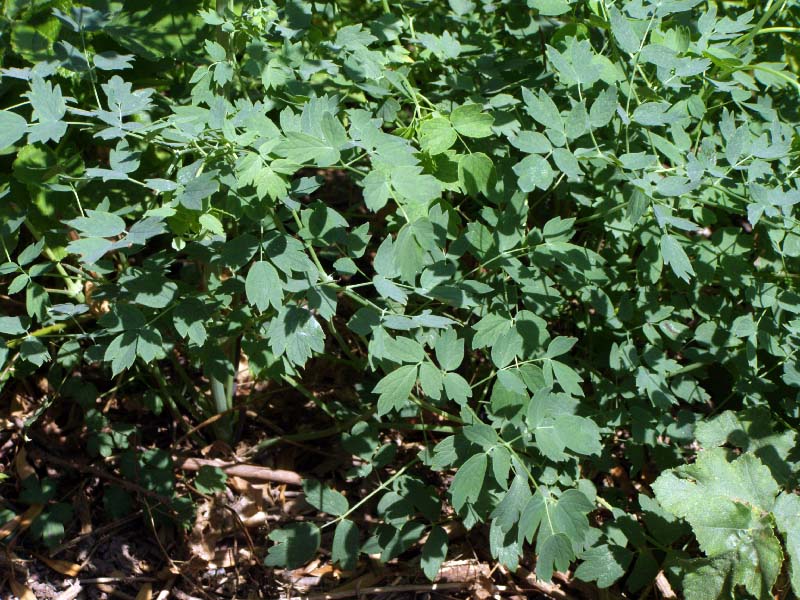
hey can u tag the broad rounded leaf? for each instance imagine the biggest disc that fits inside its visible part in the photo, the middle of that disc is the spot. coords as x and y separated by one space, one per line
471 121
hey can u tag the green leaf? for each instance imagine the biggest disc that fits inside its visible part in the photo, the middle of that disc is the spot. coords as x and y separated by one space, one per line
395 388
569 514
34 351
402 540
471 121
654 114
49 109
346 545
534 172
713 491
13 325
112 61
577 122
296 333
18 284
674 255
580 434
543 109
481 434
431 379
567 378
324 498
263 286
12 128
376 190
468 481
457 388
198 189
752 431
475 171
98 224
508 511
564 519
555 554
718 577
555 428
550 8
434 551
211 223
149 345
727 505
403 349
189 318
489 329
121 352
414 186
303 148
444 205
436 135
623 31
603 564
530 142
71 58
449 350
603 108
567 164
295 545
560 345
511 381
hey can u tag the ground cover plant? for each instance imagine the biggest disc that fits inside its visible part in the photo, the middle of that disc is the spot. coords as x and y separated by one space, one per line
514 280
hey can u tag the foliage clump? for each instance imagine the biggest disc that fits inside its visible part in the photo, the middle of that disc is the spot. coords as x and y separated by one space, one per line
554 240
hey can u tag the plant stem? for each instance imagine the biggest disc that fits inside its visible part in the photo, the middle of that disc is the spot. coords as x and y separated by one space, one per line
380 488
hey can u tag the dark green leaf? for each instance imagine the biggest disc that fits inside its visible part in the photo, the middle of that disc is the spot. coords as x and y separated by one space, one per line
295 545
434 551
324 498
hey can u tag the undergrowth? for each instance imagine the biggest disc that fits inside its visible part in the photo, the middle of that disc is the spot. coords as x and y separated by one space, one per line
544 252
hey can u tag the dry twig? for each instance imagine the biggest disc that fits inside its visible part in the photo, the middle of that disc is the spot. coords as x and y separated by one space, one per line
242 470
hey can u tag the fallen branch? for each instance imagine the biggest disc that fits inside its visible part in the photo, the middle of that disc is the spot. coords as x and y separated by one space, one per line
242 470
121 579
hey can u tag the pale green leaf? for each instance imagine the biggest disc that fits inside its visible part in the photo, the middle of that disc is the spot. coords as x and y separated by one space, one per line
534 172
12 128
623 31
395 388
471 121
674 255
550 8
436 135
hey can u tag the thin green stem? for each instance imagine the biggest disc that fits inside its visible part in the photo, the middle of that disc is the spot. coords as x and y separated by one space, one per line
377 490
